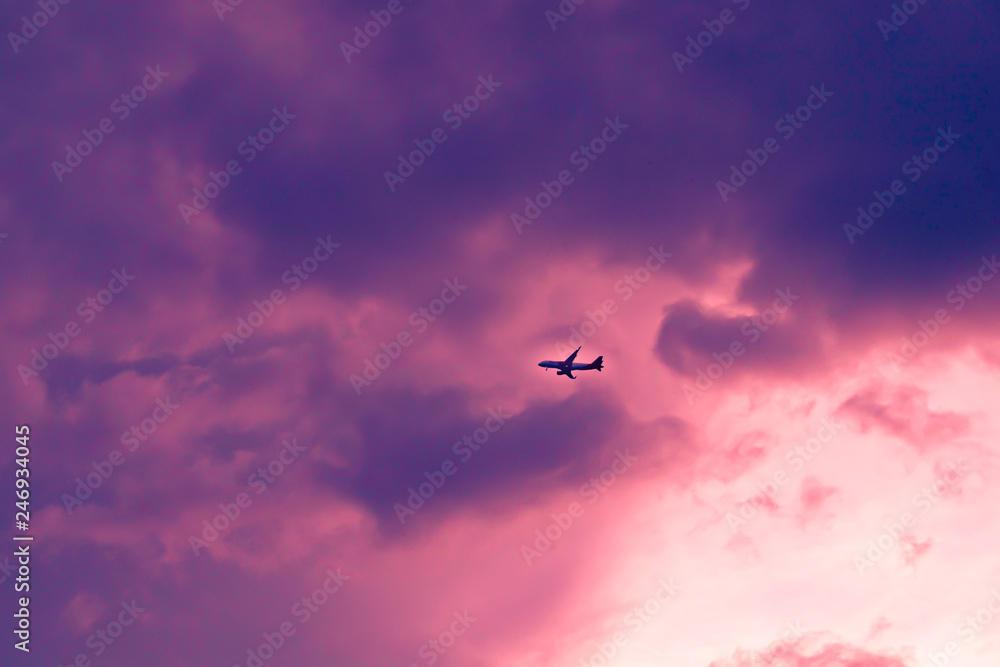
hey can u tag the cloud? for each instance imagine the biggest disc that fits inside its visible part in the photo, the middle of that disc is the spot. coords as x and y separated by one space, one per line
798 654
904 412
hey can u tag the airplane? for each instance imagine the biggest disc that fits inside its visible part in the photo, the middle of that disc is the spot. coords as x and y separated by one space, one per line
567 367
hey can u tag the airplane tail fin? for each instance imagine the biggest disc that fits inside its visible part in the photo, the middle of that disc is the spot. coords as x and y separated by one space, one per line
598 363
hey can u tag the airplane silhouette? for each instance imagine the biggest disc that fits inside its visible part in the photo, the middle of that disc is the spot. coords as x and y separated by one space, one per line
567 367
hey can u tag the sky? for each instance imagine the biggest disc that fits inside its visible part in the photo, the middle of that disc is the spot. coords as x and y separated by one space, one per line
276 278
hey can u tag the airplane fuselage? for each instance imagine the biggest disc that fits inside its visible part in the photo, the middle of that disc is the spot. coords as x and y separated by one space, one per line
562 365
567 366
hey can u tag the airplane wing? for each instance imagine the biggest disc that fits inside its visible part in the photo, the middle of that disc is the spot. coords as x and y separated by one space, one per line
570 374
570 358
